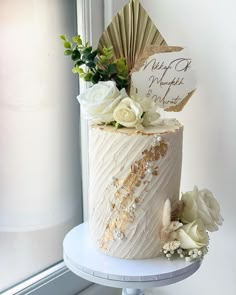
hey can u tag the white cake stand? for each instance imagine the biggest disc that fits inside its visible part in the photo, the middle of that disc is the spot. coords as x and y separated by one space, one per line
132 275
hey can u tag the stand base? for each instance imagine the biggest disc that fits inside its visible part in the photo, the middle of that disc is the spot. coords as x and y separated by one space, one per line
129 291
87 262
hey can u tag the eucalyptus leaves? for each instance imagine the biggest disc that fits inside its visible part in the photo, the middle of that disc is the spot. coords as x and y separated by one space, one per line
100 66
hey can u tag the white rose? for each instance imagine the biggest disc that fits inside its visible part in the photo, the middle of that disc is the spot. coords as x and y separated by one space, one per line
209 210
201 205
145 103
190 211
128 113
192 235
99 101
149 118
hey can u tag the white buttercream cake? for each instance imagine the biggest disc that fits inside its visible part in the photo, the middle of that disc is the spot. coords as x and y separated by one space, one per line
135 155
132 174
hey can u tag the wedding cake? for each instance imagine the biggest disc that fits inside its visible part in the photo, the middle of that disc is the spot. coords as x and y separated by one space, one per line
135 151
132 175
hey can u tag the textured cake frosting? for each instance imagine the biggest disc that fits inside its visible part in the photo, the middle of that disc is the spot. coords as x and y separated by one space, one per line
132 174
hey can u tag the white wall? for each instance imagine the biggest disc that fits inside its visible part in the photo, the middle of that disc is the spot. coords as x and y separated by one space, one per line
207 28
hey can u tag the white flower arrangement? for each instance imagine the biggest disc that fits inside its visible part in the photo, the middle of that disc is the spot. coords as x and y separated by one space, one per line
200 213
103 103
128 113
99 101
107 101
201 204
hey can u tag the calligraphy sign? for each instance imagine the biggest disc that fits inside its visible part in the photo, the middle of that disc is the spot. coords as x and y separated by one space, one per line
165 75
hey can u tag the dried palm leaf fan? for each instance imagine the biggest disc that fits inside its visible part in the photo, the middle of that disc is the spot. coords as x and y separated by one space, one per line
130 31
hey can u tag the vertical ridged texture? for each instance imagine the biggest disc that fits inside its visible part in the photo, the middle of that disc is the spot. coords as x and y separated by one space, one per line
111 155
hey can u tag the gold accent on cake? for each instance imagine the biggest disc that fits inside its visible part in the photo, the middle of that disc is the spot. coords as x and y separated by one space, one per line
163 126
181 105
124 202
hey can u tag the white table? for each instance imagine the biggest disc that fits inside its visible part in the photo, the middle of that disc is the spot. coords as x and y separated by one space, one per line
133 276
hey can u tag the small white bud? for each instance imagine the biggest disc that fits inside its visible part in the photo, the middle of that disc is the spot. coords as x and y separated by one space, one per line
199 253
149 170
179 251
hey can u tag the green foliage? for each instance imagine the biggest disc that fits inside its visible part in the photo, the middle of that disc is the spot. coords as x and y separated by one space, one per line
67 52
77 40
94 66
115 124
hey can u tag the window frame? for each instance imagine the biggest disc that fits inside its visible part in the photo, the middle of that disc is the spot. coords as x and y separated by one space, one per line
90 16
52 278
90 27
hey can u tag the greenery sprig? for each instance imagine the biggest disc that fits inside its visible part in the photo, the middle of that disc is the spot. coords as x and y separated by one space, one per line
100 66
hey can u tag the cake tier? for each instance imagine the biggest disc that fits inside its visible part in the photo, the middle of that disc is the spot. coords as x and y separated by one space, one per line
132 174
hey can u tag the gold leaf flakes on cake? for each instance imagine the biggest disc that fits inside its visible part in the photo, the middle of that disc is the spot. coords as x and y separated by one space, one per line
108 236
131 181
162 150
155 171
124 199
138 183
137 200
122 220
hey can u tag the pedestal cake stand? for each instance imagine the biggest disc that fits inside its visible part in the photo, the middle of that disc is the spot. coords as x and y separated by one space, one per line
133 276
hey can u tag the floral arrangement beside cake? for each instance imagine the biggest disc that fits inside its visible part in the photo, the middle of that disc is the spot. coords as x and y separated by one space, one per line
135 152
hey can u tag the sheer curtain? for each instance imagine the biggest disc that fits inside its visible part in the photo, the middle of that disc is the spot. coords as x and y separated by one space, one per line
40 178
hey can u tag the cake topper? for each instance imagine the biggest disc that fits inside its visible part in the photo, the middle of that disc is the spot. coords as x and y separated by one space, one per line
134 71
165 75
130 32
161 73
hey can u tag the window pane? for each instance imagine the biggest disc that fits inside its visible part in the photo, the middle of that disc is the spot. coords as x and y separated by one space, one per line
40 191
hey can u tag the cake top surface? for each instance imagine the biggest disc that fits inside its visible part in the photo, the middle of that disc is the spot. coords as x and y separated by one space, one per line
162 126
